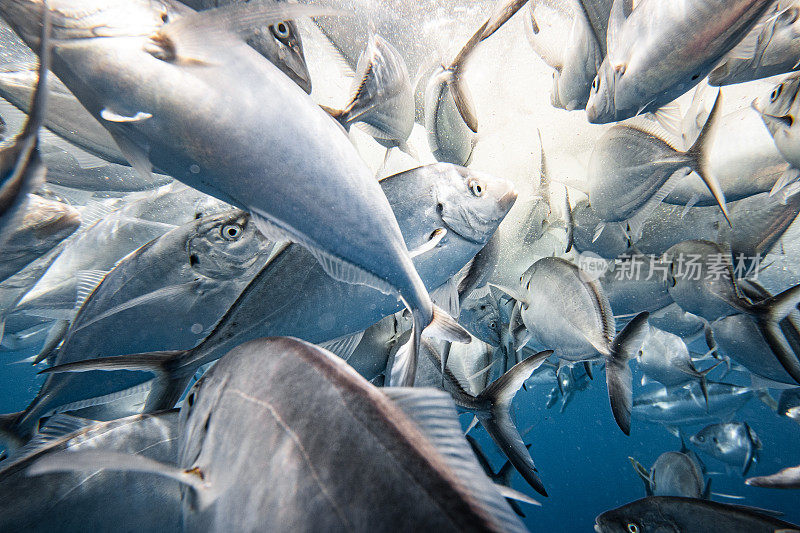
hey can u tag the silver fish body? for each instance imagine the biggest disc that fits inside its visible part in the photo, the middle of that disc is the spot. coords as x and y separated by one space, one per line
687 406
780 110
734 443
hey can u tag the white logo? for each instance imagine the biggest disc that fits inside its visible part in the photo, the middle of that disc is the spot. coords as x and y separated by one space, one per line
591 266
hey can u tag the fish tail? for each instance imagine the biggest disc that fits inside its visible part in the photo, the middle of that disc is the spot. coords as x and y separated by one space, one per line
441 326
171 377
618 374
699 153
769 313
497 421
643 474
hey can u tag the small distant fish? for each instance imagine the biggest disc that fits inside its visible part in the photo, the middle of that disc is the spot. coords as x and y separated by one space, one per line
734 443
382 99
674 474
787 478
670 513
686 405
771 48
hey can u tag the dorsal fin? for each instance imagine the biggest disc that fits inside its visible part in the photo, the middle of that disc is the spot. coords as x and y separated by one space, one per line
56 428
434 413
87 282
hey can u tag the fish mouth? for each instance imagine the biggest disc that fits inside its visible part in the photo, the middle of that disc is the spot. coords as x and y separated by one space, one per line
297 69
598 528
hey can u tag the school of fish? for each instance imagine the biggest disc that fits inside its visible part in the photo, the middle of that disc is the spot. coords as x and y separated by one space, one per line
272 266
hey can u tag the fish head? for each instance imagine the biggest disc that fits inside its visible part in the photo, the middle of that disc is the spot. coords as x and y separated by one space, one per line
778 109
601 107
472 204
282 45
226 245
481 316
641 516
708 439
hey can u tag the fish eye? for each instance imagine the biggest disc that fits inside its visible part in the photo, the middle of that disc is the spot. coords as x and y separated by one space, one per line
476 187
164 15
280 30
231 232
492 325
776 93
701 438
633 528
596 83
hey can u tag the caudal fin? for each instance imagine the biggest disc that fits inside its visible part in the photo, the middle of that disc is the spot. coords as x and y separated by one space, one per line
769 313
699 152
170 378
497 421
10 431
644 474
618 374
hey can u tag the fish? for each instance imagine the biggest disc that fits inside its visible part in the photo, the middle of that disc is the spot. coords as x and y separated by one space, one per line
569 313
779 111
655 513
377 345
45 224
647 67
481 317
634 166
248 397
677 321
789 400
734 443
21 167
686 405
570 380
674 474
186 279
100 500
382 99
768 50
786 478
665 358
293 296
702 281
154 92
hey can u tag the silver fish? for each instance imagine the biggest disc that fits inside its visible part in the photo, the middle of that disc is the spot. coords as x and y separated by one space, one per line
662 513
734 443
564 310
98 500
768 50
155 120
382 99
648 66
687 406
674 474
665 358
633 167
292 296
184 280
256 384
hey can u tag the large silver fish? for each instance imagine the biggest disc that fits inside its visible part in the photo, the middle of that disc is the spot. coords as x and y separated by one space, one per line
103 501
787 478
292 296
408 465
184 281
651 64
157 110
568 312
771 48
